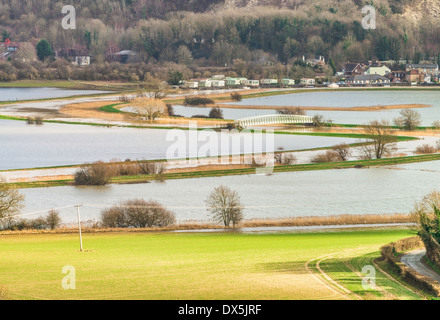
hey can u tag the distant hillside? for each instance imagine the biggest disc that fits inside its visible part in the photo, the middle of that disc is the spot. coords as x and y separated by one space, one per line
249 34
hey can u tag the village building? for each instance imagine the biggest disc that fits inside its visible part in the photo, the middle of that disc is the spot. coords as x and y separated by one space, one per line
307 81
380 70
351 69
368 79
287 82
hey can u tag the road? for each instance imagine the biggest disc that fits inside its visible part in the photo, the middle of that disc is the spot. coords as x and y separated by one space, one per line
413 260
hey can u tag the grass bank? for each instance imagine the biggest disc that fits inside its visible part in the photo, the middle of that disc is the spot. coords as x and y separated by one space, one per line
358 164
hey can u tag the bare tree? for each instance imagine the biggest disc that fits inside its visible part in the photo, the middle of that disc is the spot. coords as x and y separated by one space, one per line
148 108
383 141
343 151
410 119
11 201
225 206
154 88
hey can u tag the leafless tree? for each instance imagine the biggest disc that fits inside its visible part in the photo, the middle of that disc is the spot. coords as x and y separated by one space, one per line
343 150
11 201
410 118
225 206
383 141
148 108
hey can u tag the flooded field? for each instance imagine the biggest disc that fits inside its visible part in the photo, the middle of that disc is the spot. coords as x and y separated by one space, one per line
384 190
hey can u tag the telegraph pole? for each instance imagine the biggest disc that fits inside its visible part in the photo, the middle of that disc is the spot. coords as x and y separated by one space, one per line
79 226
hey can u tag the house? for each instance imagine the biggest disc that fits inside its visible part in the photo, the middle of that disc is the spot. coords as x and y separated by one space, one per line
351 69
380 70
367 79
123 56
431 69
218 83
191 84
316 62
232 82
288 82
269 82
79 55
397 76
205 83
307 82
252 83
413 75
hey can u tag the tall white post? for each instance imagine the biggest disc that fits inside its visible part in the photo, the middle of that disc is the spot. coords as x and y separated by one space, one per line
79 226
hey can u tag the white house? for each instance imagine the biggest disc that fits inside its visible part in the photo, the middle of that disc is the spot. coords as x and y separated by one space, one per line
382 71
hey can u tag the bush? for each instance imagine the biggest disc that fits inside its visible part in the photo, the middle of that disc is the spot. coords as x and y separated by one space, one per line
53 220
343 151
216 113
329 156
137 213
236 96
197 101
426 149
285 159
96 174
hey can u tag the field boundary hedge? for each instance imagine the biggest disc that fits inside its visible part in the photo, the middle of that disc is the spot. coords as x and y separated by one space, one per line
392 253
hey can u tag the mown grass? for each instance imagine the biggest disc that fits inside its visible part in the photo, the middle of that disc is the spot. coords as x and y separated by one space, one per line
173 266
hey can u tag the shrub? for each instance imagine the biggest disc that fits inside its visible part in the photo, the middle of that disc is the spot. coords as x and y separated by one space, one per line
235 96
53 220
137 213
216 113
197 101
343 151
426 149
96 174
329 156
285 159
436 124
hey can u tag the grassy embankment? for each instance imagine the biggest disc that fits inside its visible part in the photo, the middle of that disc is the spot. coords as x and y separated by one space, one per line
243 171
194 266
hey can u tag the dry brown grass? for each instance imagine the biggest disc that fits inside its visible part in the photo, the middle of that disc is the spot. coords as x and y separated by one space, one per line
346 219
336 220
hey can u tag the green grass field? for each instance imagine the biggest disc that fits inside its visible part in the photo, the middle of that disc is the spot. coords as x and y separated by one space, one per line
173 266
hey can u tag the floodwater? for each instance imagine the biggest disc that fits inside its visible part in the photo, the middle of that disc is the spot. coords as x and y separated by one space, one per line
31 146
337 99
14 94
383 190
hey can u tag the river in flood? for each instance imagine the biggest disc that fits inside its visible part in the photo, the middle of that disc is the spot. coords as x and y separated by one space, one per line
14 94
31 146
382 190
342 99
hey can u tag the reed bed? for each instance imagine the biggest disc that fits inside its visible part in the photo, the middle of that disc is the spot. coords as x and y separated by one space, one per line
336 220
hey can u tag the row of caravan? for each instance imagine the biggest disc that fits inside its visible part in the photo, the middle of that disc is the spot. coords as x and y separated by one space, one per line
216 82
